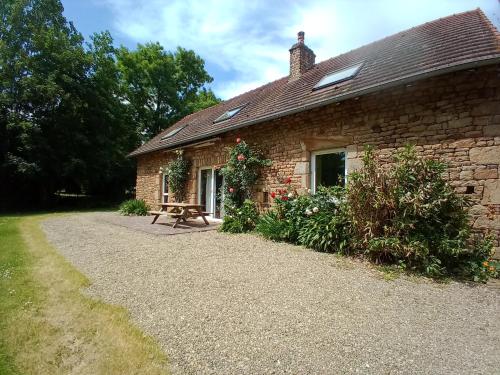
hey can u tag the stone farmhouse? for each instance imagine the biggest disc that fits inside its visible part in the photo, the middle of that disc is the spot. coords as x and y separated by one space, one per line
436 86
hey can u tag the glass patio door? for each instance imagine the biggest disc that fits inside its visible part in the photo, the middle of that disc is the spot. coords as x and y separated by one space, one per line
210 191
205 193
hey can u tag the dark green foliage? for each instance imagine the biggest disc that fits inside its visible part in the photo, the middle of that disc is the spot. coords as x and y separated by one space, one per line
71 112
178 174
43 91
327 229
274 228
409 214
161 86
205 98
406 215
317 221
242 219
134 207
325 232
241 172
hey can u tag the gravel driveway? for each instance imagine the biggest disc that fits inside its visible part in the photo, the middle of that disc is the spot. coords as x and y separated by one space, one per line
237 304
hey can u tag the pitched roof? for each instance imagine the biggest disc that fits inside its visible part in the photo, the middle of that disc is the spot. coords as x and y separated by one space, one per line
448 44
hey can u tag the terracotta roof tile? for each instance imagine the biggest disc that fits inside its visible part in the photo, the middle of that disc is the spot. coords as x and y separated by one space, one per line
431 48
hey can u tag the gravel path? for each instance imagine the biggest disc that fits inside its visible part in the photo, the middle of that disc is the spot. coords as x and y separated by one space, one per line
236 304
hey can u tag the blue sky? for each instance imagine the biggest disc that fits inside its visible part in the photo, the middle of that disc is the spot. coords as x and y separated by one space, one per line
245 43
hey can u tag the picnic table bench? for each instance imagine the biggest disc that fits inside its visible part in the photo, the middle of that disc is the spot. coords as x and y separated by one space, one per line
180 211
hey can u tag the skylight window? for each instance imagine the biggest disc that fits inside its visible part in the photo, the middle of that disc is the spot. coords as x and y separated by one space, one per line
338 76
228 114
173 132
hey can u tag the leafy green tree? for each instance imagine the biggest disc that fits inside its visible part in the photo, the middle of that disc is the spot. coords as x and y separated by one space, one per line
71 112
206 98
110 127
43 67
161 86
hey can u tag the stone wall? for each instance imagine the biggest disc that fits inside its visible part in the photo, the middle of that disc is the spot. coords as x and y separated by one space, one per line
454 118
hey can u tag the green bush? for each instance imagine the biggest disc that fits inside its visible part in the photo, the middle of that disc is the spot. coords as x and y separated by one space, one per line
134 207
327 230
316 221
240 219
178 175
404 214
272 227
241 172
408 214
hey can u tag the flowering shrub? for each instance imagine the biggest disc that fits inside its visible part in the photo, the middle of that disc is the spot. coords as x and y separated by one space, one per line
326 227
242 219
410 215
315 221
241 172
178 174
406 215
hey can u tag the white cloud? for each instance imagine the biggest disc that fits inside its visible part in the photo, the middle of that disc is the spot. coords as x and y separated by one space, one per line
247 41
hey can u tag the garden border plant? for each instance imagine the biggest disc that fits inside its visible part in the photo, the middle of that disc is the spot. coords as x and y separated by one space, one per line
178 175
136 207
407 215
240 175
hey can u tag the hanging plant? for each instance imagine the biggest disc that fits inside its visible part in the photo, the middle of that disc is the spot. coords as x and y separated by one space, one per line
241 172
178 174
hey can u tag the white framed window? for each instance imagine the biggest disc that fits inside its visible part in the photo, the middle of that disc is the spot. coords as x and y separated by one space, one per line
164 188
328 168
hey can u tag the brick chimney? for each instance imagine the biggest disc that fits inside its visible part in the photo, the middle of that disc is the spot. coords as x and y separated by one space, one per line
301 58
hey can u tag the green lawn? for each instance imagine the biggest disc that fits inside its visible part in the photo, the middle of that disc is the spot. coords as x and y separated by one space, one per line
48 326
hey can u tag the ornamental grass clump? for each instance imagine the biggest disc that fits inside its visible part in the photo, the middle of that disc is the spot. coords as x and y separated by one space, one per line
408 214
135 207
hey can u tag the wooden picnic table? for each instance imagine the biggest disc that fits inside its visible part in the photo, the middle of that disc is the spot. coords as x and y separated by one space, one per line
180 211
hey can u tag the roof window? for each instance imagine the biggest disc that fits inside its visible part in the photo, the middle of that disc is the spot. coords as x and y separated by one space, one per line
228 114
338 76
172 132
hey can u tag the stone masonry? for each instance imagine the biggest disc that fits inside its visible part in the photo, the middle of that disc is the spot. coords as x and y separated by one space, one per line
454 118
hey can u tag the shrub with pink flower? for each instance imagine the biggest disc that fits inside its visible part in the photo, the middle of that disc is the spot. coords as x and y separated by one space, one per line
241 172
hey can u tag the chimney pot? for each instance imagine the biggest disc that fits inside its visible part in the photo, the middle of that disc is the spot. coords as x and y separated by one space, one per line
302 58
300 36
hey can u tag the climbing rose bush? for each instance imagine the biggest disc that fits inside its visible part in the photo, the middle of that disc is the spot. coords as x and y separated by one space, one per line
241 172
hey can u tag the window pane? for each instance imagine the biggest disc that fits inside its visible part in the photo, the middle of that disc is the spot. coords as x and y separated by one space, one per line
219 183
165 184
338 76
330 169
165 188
206 189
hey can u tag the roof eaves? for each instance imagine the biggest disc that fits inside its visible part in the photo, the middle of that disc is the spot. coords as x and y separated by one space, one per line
443 69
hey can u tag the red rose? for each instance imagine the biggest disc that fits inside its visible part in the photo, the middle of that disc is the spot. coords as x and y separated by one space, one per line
273 195
238 140
231 190
284 198
288 180
241 157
